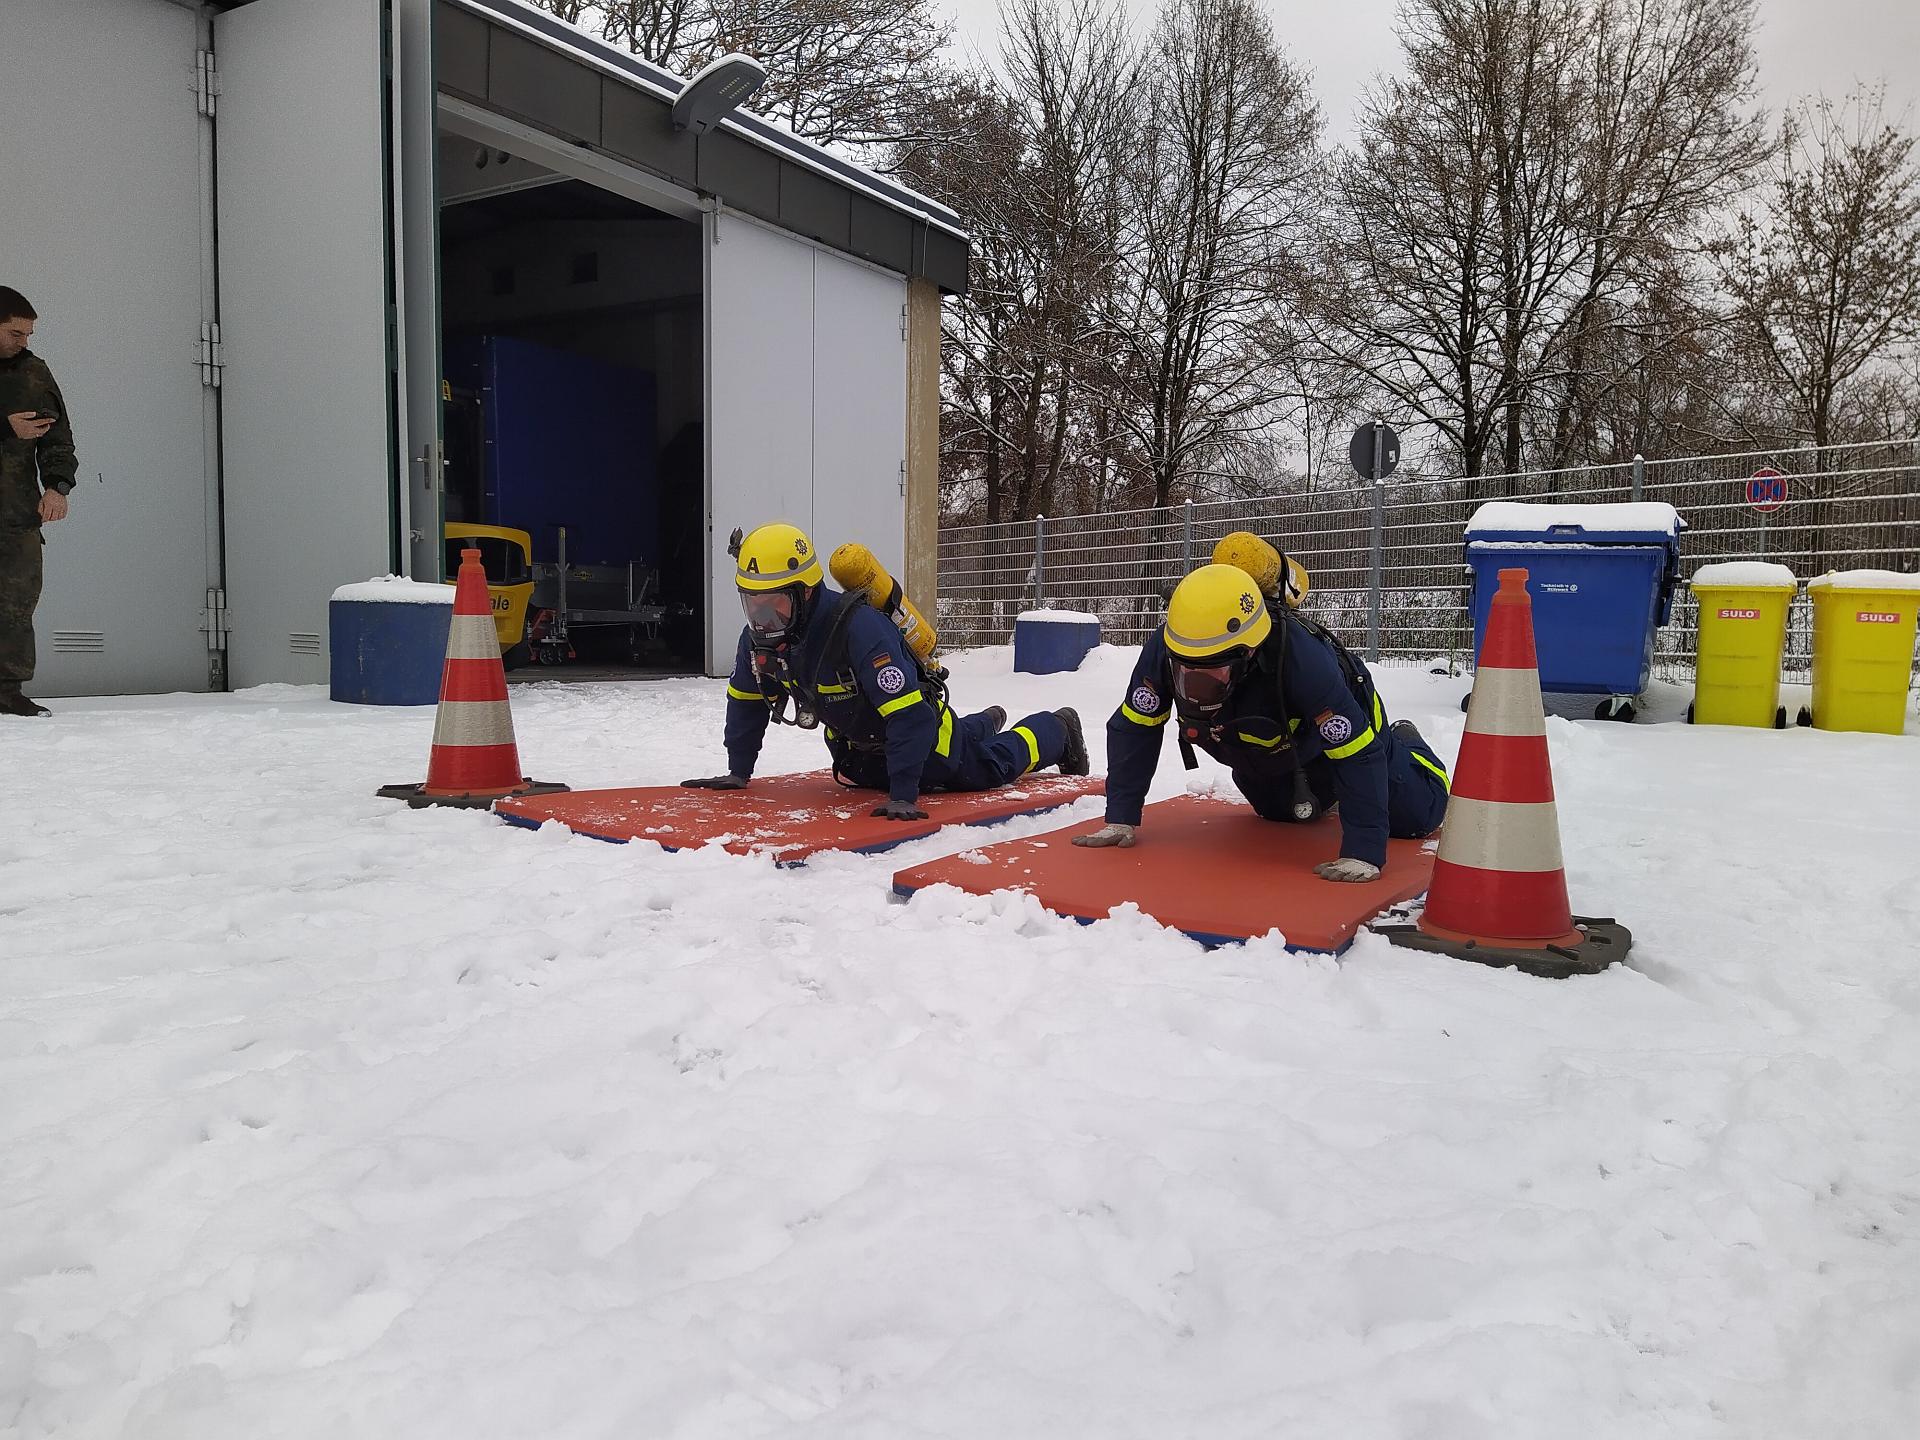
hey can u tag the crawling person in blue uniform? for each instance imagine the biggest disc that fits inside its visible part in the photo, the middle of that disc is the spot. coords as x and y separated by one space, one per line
845 667
1286 707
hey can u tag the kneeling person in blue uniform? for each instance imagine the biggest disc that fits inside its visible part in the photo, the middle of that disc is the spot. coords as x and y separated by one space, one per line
1286 707
845 667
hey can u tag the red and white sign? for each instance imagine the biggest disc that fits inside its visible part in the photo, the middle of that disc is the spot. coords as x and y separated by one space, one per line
1767 490
1726 614
1876 617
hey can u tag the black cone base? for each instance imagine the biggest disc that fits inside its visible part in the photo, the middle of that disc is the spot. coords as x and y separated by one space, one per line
1605 942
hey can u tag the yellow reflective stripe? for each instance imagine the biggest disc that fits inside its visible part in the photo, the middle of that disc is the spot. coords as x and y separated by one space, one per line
836 689
1353 746
1422 760
1033 746
734 692
1263 744
945 742
1293 724
1139 719
912 697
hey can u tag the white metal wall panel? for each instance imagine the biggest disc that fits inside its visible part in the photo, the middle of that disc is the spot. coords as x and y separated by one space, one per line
100 153
309 464
760 410
417 204
859 409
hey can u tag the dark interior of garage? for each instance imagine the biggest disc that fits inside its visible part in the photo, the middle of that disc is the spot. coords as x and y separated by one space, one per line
572 408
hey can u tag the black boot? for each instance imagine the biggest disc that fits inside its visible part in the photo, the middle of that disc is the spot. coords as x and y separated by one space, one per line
1407 733
12 702
997 716
1075 761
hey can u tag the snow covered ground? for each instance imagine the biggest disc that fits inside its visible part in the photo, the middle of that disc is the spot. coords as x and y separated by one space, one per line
325 1117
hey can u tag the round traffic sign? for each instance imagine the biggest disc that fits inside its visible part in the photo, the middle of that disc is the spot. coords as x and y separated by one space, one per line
1365 445
1767 490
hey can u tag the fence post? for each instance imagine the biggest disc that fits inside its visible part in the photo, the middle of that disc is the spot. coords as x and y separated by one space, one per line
1186 538
1378 546
1639 476
1039 562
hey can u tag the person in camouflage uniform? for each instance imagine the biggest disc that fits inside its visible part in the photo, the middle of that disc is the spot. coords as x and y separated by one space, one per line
36 476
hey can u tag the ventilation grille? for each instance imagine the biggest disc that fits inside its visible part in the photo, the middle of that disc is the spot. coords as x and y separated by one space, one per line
304 644
79 642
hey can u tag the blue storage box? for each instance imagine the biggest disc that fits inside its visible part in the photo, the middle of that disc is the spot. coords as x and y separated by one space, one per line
1046 642
1601 578
387 642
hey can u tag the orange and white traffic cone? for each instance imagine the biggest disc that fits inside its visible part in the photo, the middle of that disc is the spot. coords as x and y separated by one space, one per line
1499 890
474 761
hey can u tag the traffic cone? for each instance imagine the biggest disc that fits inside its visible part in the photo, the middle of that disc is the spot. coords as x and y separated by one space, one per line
474 761
1499 889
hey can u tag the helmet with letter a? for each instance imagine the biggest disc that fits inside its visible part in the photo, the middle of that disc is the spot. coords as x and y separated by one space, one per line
777 572
1216 620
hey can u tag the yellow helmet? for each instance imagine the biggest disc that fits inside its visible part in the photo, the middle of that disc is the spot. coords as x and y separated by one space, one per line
775 556
1215 611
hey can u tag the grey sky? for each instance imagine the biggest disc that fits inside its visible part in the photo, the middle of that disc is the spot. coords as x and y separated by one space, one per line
1804 46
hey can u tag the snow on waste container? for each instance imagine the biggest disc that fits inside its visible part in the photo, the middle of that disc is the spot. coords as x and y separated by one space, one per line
388 643
1863 629
1601 578
1743 636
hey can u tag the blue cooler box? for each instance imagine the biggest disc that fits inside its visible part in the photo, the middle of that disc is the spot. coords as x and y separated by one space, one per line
1601 578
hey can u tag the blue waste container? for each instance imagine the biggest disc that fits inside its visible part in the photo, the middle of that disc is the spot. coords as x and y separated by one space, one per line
388 642
1046 642
1602 579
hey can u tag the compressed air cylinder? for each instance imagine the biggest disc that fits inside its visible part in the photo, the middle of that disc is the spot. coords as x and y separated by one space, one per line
1265 564
856 570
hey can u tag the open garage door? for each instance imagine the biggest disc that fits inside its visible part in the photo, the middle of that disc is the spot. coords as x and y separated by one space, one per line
806 402
309 320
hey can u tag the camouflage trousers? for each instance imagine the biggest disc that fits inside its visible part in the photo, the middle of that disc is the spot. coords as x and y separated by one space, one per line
20 569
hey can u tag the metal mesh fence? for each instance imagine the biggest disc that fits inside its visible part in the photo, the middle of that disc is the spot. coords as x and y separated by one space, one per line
1848 507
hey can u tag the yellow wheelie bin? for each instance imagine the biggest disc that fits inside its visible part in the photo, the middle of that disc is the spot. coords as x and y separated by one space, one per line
1863 630
1743 608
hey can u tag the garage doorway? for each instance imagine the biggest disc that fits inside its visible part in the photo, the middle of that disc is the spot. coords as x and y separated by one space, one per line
572 409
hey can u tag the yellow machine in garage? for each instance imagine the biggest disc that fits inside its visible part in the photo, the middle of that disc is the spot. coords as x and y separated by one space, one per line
507 557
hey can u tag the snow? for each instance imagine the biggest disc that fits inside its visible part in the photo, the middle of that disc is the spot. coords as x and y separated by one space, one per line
1745 575
395 590
1864 580
1527 517
323 1116
1068 617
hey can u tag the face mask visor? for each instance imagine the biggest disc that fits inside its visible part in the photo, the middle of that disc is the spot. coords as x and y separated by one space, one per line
1203 688
770 613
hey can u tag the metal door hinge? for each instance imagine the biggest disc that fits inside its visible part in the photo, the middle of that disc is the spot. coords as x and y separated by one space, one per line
212 357
903 322
903 477
206 83
216 625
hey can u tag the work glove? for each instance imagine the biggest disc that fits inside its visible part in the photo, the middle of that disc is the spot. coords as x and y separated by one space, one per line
1353 872
1121 835
898 810
716 782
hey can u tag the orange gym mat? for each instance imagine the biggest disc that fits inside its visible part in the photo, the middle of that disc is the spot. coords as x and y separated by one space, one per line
1209 868
787 816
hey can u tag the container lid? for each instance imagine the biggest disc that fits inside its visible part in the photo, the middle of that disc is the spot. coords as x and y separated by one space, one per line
1065 617
1639 521
396 590
1744 575
1864 580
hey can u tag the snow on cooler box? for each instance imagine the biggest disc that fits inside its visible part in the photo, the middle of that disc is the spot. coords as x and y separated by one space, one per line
1209 868
1046 642
789 817
387 641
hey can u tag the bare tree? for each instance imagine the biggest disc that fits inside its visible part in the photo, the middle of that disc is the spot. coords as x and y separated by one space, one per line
1823 271
1218 197
839 72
